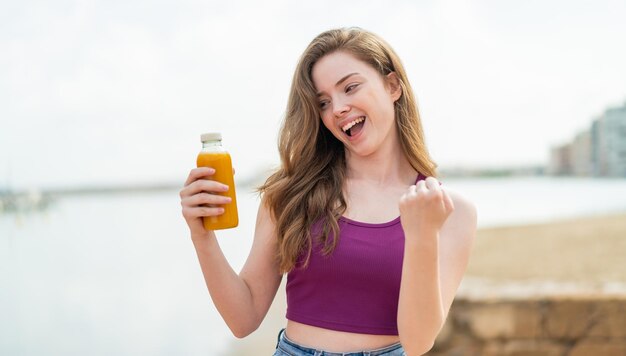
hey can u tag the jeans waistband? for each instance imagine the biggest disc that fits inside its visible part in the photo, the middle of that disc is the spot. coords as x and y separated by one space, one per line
282 338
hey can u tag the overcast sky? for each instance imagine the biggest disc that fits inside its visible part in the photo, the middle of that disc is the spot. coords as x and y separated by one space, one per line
98 92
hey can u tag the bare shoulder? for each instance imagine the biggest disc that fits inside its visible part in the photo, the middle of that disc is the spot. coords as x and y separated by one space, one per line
462 205
461 224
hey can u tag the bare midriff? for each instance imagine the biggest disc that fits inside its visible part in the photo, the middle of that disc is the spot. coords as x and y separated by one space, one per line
335 341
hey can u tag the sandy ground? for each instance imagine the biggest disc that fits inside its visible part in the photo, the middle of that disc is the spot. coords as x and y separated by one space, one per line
585 250
591 249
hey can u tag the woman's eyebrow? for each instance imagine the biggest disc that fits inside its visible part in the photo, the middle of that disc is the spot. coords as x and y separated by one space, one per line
341 81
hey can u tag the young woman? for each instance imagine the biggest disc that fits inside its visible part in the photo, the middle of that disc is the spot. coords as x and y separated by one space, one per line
373 245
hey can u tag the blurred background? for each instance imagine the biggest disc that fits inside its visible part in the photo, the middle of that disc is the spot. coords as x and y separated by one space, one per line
102 104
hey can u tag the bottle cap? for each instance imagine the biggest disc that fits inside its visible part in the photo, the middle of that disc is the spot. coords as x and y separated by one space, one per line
211 136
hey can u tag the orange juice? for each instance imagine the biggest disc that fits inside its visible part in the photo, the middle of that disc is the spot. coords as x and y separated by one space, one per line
215 156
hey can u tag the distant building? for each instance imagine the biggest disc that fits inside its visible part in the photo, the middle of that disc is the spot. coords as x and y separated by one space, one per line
581 154
598 163
560 160
614 141
600 151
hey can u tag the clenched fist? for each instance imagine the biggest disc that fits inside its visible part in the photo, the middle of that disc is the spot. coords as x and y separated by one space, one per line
424 207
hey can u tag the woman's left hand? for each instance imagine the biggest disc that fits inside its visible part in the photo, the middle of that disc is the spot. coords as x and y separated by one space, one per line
425 207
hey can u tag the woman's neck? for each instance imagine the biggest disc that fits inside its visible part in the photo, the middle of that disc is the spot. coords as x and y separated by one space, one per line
387 166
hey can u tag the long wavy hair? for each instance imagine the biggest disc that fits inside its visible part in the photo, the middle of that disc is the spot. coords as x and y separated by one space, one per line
307 187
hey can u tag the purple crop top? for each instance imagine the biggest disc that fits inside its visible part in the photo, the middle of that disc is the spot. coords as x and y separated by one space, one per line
356 288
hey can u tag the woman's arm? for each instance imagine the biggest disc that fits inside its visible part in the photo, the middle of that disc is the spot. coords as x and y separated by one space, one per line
433 266
242 300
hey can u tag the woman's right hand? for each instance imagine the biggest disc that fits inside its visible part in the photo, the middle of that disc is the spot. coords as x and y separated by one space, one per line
201 197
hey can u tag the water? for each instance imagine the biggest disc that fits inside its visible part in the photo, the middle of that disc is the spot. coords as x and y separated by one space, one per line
110 275
524 200
118 275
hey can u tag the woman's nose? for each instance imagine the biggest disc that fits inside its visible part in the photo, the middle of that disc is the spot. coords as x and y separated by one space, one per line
340 108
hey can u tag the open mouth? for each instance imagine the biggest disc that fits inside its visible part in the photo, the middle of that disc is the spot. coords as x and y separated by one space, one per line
354 127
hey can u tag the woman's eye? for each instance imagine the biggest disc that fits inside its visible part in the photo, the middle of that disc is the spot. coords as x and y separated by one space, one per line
350 87
323 104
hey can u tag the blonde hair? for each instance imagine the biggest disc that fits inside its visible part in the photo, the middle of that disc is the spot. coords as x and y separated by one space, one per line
307 187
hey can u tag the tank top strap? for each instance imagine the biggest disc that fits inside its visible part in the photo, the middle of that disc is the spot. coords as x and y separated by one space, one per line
420 177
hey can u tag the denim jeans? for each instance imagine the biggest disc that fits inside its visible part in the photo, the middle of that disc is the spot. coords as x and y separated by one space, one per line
286 347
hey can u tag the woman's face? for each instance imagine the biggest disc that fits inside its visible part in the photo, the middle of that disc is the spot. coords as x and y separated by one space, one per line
356 103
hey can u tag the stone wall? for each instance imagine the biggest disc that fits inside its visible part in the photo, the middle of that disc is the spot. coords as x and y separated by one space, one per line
530 318
573 324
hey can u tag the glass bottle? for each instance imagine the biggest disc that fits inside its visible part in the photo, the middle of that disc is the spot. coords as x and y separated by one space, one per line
214 155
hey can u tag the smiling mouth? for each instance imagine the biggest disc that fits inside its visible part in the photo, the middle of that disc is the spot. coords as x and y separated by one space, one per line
354 127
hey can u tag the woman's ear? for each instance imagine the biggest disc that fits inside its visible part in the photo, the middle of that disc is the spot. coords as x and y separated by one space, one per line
393 83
